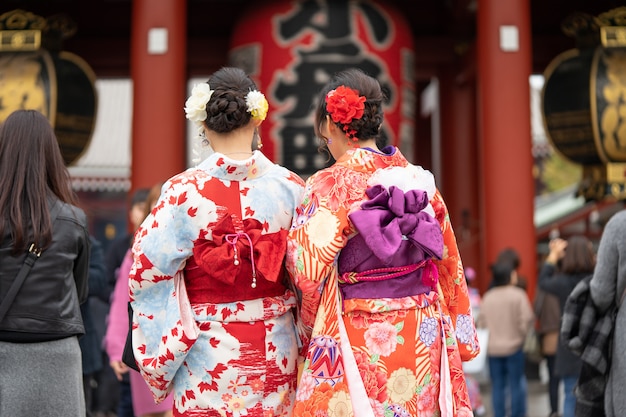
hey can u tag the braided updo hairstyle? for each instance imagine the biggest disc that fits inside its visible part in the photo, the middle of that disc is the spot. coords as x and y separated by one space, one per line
227 109
369 125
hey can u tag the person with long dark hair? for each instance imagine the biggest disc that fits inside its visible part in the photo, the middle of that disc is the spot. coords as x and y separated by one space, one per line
40 224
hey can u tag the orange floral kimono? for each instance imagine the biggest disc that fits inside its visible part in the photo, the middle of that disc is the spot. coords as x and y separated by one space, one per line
388 341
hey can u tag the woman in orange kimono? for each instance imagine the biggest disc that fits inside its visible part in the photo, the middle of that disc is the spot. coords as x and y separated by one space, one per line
385 309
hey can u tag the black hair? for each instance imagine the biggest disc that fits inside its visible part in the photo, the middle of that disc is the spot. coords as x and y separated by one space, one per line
227 109
510 256
501 272
369 125
139 196
579 257
31 170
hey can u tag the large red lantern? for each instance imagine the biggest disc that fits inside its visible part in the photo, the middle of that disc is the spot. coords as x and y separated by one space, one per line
291 48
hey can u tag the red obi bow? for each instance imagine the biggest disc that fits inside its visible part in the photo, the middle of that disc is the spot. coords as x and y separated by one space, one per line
223 256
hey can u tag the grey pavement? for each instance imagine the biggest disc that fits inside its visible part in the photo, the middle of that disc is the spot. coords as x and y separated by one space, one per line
537 401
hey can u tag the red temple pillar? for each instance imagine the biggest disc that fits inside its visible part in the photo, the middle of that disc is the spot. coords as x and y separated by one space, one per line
422 148
459 185
504 66
158 70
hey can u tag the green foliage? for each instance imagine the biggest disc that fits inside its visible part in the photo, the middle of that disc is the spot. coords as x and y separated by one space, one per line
559 173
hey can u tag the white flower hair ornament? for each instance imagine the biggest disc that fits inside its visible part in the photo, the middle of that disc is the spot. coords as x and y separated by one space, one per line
257 105
195 106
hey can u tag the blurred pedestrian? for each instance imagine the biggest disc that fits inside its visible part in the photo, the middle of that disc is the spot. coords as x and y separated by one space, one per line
511 256
508 315
473 385
548 314
143 403
113 397
568 262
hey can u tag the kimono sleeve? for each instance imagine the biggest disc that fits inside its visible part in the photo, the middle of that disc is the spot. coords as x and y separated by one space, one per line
315 238
454 287
162 244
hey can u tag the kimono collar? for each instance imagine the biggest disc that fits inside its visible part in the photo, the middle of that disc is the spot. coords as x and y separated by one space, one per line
366 160
221 166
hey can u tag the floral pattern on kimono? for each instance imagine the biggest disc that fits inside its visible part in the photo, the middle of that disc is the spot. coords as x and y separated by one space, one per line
376 356
243 360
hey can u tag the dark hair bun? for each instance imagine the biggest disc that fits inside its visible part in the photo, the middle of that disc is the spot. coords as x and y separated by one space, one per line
227 109
368 126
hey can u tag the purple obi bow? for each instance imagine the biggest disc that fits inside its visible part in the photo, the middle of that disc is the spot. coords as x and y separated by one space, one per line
391 217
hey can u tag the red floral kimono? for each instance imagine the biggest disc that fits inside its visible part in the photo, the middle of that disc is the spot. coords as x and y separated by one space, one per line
389 340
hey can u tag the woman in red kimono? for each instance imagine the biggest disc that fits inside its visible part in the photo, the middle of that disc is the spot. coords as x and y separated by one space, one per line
384 299
222 226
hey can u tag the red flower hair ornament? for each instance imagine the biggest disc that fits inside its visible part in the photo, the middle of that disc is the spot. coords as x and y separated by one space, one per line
344 105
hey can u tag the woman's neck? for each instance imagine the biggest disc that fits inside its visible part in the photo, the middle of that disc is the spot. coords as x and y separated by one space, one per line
236 145
369 143
238 155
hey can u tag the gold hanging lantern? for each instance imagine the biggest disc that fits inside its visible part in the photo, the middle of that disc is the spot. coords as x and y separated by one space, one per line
584 102
36 74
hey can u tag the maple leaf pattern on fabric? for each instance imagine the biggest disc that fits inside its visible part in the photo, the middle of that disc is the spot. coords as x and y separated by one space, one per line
252 342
